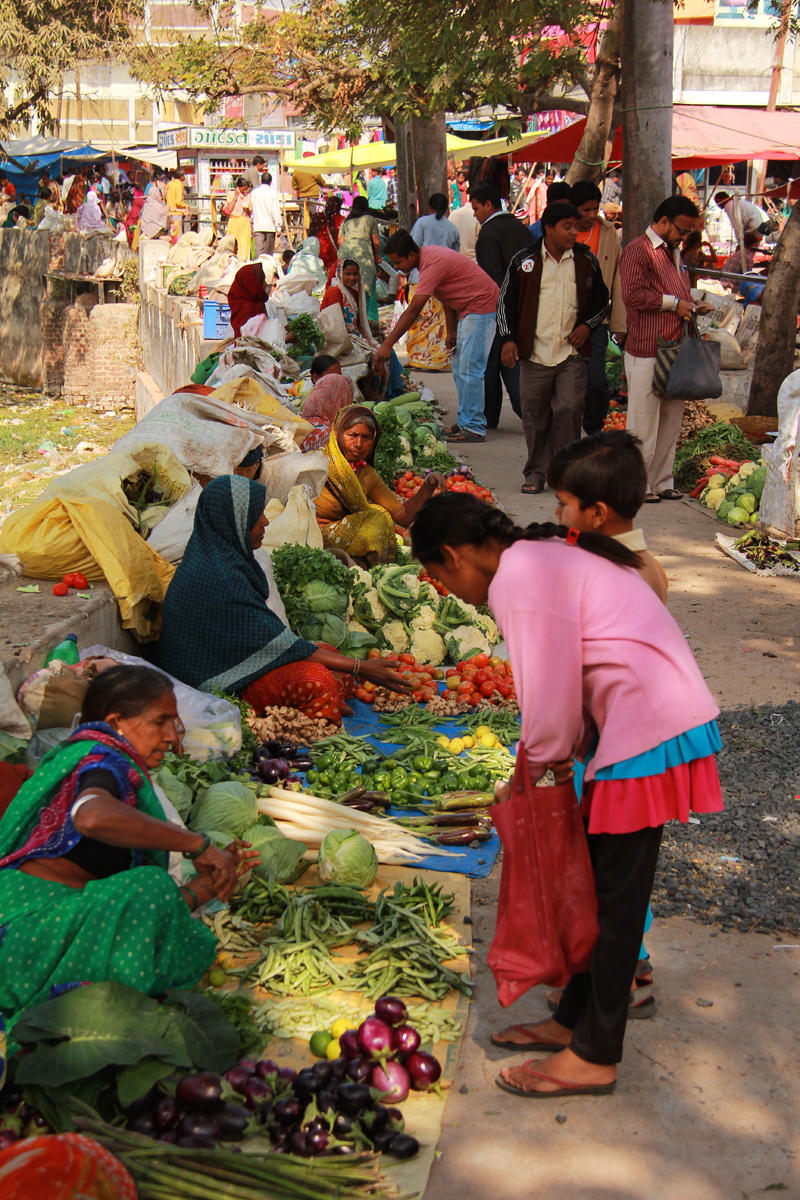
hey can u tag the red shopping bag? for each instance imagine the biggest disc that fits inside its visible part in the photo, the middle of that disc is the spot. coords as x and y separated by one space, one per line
547 911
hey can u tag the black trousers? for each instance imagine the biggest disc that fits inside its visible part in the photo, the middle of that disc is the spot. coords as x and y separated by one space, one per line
494 377
594 1004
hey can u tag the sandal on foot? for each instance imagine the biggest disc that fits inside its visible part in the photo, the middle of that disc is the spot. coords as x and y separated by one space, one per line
670 494
464 435
565 1088
538 1043
652 498
642 1003
532 489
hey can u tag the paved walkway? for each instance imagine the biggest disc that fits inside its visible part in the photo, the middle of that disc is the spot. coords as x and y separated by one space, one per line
706 1107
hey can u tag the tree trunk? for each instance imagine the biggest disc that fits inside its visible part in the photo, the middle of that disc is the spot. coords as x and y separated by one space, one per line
406 191
430 158
590 157
777 330
647 35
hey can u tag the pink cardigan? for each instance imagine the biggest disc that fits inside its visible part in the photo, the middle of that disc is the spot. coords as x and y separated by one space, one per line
592 646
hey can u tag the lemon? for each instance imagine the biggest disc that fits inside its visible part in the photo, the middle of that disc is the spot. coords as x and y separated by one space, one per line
469 741
340 1026
217 977
444 742
333 1049
319 1042
488 741
456 746
482 730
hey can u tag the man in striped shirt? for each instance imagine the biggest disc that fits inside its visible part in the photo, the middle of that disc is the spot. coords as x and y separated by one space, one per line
657 299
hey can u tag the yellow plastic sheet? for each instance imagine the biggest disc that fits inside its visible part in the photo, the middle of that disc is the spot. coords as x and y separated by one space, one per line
60 535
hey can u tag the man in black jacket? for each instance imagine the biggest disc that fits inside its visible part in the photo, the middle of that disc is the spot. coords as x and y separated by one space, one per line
552 297
501 236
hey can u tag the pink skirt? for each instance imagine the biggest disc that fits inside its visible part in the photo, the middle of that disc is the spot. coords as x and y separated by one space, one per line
625 805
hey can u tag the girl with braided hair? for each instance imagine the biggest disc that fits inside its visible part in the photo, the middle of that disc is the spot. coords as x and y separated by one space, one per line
603 672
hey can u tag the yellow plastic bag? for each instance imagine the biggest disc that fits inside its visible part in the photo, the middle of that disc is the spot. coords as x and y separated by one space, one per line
57 536
247 392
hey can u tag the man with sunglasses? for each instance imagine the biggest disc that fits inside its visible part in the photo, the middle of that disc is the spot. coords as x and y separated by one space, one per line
657 298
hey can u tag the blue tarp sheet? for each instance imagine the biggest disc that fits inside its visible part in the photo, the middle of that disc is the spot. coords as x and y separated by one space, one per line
464 861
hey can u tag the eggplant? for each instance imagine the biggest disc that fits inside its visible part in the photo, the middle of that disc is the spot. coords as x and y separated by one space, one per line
382 1139
377 1119
359 1070
302 762
424 1069
375 1038
323 1070
232 1120
166 1112
391 1009
393 1081
201 1092
265 1067
197 1143
238 1078
273 770
197 1125
278 749
144 1123
169 1136
396 1119
342 1126
318 1141
286 1073
247 1064
363 805
326 1100
353 1097
287 1111
338 1068
306 1084
256 1091
350 797
403 1145
298 1143
406 1039
348 1044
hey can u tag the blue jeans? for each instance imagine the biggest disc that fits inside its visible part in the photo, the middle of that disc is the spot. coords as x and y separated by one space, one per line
397 384
474 341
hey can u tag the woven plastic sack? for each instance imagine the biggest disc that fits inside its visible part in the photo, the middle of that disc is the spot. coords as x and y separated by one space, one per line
547 910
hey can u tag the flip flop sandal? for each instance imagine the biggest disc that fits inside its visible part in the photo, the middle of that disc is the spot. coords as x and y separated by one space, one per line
652 498
642 1004
564 1087
670 494
540 1043
532 489
464 435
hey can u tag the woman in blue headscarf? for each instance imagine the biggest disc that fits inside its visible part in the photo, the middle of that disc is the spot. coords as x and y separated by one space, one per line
218 630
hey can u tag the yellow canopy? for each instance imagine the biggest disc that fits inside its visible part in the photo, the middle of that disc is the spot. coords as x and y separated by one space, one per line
384 154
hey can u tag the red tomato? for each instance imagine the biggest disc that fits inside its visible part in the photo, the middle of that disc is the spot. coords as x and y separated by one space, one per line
450 672
79 581
69 580
362 694
475 699
480 660
405 658
497 664
60 589
488 688
482 675
464 689
505 689
374 652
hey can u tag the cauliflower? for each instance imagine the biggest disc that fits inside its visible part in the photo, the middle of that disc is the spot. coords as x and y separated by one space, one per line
393 636
428 595
355 626
426 645
713 497
362 580
488 627
424 617
369 610
465 641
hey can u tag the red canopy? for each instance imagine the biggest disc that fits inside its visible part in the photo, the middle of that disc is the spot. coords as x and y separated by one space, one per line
702 136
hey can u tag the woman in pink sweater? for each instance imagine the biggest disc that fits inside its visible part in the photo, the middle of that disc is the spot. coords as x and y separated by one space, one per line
603 671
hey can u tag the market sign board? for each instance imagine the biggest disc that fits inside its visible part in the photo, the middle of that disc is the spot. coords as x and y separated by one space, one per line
197 137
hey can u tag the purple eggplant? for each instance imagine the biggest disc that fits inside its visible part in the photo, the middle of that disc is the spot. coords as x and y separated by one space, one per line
273 770
375 1039
393 1081
232 1121
318 1140
348 1044
391 1009
298 1143
287 1111
265 1067
424 1070
287 1074
256 1091
403 1145
359 1070
238 1078
166 1112
406 1039
197 1125
197 1143
143 1123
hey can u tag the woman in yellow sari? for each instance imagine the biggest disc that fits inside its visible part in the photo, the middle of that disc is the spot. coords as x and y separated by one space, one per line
356 511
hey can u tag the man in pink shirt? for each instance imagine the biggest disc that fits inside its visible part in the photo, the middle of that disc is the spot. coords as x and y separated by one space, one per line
469 297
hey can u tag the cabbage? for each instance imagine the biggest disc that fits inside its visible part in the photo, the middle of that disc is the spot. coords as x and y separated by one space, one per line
323 598
229 806
281 858
347 857
177 792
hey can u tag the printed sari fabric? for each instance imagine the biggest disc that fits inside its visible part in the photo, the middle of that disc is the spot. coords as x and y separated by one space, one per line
217 629
133 927
368 530
307 686
426 340
329 394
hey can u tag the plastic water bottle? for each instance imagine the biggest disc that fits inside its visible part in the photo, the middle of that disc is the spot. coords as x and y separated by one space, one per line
67 650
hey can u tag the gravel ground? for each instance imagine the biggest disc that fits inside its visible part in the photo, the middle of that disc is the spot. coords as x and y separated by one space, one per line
739 869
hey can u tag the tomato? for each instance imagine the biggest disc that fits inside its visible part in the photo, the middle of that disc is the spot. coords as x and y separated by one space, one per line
488 688
482 675
475 699
428 694
453 683
391 659
480 660
497 663
450 672
505 689
363 694
60 589
406 658
373 652
464 689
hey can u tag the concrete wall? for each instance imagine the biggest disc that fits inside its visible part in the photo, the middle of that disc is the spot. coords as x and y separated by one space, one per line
25 257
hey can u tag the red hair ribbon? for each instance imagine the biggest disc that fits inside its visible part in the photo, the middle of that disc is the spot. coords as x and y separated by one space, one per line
572 537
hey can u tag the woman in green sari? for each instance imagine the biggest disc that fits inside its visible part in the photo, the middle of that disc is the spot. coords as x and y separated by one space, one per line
84 891
359 240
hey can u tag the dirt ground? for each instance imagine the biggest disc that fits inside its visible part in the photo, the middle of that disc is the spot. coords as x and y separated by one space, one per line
708 1094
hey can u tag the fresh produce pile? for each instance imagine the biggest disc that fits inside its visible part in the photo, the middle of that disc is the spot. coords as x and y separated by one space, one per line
411 438
733 490
308 337
405 615
459 479
696 417
287 724
315 588
762 550
721 440
617 416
